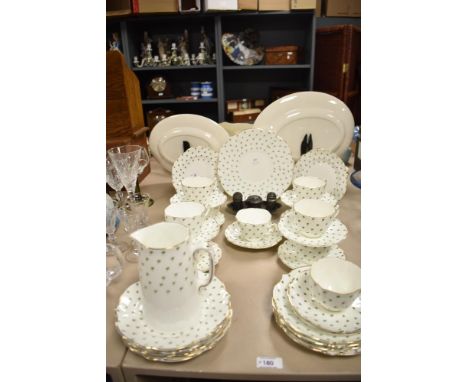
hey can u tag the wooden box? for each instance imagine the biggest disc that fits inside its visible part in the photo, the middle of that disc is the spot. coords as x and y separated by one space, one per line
242 104
118 7
343 8
338 65
124 111
246 115
282 55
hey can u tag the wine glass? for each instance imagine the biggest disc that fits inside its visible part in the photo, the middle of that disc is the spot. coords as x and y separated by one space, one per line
129 161
136 218
114 263
113 180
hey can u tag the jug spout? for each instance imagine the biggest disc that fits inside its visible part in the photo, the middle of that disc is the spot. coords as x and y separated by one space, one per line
162 235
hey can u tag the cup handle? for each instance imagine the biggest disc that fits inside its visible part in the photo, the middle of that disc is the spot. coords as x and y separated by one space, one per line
337 211
211 257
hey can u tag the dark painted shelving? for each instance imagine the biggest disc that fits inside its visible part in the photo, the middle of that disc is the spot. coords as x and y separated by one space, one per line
175 100
161 68
229 80
259 67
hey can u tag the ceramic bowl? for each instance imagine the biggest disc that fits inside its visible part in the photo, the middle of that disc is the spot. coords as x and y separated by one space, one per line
254 223
335 283
312 217
309 187
198 189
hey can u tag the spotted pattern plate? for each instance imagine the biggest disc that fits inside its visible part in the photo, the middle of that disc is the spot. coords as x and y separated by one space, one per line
196 161
287 313
131 323
295 255
186 353
301 299
335 233
217 199
324 164
255 162
289 198
334 350
232 234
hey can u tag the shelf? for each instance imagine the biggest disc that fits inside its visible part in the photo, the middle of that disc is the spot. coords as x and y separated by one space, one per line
194 67
257 67
174 100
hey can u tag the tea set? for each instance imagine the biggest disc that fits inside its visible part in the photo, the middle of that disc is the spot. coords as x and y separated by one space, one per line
179 309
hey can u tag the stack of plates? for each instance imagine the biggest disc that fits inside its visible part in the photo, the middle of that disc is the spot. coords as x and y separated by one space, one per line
310 325
154 344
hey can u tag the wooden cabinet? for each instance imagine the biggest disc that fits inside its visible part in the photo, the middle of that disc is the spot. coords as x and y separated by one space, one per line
338 65
124 112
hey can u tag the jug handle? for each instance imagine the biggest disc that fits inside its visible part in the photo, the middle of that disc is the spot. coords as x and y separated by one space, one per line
211 271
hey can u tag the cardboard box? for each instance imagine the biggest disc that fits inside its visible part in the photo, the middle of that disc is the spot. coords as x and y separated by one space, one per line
343 8
247 4
274 5
303 4
155 6
220 5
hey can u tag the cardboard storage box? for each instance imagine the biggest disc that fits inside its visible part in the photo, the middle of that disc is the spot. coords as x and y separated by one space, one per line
247 4
303 4
274 5
343 8
118 7
155 6
220 5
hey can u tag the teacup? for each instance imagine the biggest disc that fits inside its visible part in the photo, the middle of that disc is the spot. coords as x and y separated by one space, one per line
254 223
168 274
198 189
190 214
335 283
309 187
312 217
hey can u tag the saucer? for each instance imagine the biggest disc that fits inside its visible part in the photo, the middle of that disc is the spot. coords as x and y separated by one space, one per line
290 197
217 199
232 234
203 264
137 332
295 255
335 233
282 307
301 299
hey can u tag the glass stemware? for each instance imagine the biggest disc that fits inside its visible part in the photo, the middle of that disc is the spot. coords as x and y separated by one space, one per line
114 263
136 218
129 161
113 180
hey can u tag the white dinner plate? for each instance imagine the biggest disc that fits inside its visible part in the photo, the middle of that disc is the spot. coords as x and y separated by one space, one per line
167 137
255 162
326 118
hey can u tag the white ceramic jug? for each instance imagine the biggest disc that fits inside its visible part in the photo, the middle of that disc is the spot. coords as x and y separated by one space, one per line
168 275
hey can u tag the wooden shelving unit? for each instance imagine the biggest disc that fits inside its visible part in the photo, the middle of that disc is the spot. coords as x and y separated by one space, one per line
230 81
